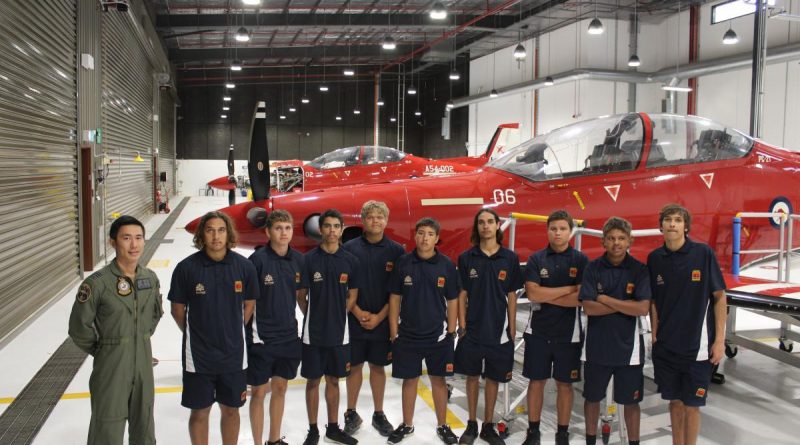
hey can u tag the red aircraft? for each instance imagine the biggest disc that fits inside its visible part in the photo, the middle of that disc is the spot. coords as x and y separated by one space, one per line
626 165
367 164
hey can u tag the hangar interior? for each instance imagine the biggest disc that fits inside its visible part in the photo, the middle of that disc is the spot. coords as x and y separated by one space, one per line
119 107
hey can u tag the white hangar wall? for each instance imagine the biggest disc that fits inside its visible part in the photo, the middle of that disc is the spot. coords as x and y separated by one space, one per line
724 97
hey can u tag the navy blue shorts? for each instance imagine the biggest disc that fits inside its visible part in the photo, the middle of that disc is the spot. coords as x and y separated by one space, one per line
201 390
273 360
681 378
492 362
628 383
545 359
333 361
375 352
407 358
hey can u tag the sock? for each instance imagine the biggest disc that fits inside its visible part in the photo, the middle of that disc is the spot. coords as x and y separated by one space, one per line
633 442
533 426
563 428
312 427
591 440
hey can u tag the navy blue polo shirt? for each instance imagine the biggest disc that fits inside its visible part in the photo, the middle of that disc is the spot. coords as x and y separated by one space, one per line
377 262
683 283
549 268
213 292
279 277
488 280
328 278
614 339
425 287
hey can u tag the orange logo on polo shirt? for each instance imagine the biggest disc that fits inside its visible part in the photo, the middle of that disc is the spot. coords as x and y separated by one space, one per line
573 272
389 266
502 275
629 288
343 278
440 282
244 396
297 277
237 286
448 367
696 275
701 392
573 374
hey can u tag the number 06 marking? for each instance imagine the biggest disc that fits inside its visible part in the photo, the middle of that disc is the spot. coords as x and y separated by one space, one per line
506 196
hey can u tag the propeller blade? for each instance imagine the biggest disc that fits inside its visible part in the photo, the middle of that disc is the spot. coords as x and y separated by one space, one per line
258 166
230 162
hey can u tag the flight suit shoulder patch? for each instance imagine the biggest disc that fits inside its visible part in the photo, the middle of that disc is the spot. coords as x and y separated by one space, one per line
84 293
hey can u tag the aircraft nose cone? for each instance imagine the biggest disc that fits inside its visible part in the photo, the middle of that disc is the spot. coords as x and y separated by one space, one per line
192 226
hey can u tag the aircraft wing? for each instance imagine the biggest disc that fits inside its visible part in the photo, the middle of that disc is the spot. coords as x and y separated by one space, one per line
755 293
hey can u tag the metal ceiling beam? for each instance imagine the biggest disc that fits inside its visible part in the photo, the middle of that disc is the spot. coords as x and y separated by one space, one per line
313 20
182 55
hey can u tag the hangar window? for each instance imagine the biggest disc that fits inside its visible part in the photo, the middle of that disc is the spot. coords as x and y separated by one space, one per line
343 157
604 145
690 139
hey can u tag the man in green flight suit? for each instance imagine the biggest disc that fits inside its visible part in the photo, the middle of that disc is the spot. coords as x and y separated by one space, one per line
115 313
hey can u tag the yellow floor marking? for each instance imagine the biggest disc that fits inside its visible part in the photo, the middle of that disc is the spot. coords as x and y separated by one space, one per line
426 395
154 264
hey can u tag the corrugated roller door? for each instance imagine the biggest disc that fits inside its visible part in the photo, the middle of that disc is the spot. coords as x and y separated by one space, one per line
166 150
38 162
127 109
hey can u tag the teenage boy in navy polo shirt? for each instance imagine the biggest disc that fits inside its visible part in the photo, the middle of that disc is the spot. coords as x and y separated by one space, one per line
553 336
487 313
423 310
688 321
209 289
615 292
369 327
332 278
273 346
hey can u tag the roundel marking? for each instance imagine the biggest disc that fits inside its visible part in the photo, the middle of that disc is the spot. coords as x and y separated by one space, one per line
781 204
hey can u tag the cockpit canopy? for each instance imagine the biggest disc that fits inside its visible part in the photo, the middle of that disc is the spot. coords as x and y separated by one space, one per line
615 144
357 155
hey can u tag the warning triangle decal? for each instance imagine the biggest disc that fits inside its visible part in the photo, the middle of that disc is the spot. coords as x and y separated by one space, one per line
708 178
383 169
347 172
613 191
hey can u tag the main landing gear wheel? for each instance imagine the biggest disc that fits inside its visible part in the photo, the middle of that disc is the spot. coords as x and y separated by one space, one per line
731 351
605 432
503 429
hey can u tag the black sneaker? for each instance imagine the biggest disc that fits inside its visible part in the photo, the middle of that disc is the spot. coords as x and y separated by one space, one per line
400 433
533 438
334 434
489 434
470 434
381 423
352 421
446 434
278 442
562 438
312 438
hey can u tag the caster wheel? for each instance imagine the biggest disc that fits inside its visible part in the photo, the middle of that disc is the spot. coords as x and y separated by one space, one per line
502 430
785 346
731 351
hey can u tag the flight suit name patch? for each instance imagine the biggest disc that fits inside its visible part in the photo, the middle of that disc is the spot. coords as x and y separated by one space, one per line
143 283
124 287
84 293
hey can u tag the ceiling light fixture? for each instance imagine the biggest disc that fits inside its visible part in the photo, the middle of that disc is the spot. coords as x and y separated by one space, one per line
283 116
393 119
338 117
323 88
226 108
356 111
226 98
454 74
242 35
438 12
730 37
380 102
388 43
595 26
634 61
349 72
224 116
292 108
418 112
412 90
519 52
450 105
305 98
230 85
493 93
548 81
672 85
252 2
236 65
